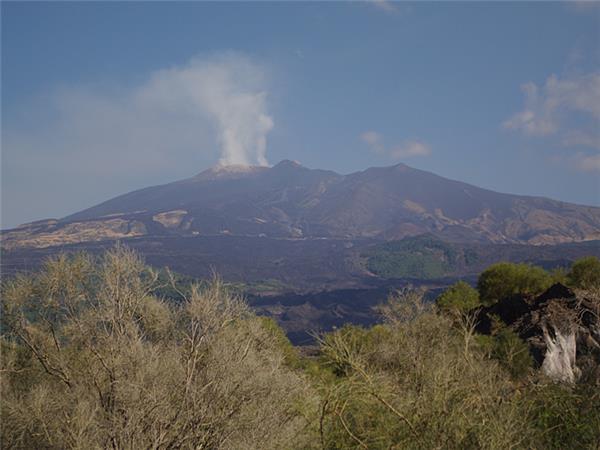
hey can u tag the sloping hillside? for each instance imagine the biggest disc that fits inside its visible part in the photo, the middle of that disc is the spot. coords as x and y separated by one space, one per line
292 201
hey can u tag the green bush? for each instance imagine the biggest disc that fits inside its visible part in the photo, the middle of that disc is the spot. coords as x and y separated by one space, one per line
585 273
418 382
565 416
460 297
504 279
509 350
92 358
281 341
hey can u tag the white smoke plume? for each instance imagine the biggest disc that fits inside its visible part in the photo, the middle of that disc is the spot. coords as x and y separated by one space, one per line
229 90
171 124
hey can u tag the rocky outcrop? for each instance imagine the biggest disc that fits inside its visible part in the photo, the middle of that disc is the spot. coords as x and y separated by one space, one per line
560 358
561 327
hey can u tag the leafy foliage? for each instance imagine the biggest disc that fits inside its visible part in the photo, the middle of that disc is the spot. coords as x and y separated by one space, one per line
93 358
282 343
585 273
504 279
565 416
460 297
509 350
416 382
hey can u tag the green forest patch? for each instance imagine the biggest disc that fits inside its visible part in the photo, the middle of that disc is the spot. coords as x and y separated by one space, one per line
423 257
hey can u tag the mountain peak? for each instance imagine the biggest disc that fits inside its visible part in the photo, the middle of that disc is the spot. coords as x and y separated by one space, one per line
288 163
290 200
229 171
401 167
234 168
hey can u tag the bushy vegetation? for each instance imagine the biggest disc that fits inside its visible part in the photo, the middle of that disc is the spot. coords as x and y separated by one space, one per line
425 380
416 382
504 279
585 273
565 416
92 357
505 346
460 297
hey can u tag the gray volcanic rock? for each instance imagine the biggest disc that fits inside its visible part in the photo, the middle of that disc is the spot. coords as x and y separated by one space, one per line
562 329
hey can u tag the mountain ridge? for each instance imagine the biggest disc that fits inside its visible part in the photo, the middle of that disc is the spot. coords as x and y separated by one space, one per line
292 201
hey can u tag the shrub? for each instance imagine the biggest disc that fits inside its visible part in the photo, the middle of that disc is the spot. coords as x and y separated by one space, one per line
459 297
421 384
585 273
504 279
90 359
282 343
565 416
559 275
509 350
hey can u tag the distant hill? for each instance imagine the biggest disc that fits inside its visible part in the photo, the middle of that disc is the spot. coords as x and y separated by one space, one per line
294 202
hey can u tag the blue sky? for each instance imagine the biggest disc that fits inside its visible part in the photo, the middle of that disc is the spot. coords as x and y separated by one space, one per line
103 98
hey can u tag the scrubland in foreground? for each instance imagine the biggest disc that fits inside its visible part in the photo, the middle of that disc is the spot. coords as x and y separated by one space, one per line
93 358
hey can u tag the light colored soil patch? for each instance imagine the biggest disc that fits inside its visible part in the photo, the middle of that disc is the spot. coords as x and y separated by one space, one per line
170 219
72 233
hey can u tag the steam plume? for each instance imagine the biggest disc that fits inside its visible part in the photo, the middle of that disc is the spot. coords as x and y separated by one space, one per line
172 123
229 90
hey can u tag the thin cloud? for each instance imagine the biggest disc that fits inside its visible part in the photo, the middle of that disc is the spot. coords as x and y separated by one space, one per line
546 107
374 140
371 137
579 138
567 110
405 149
583 6
580 161
410 148
385 5
587 163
